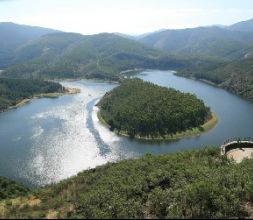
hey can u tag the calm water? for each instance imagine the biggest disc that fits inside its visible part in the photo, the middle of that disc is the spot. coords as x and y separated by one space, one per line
51 139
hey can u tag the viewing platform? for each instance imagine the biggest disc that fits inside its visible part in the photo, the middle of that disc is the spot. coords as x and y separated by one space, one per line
238 149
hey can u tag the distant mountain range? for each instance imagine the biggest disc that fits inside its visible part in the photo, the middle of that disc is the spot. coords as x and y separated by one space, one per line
226 42
229 47
71 55
13 36
246 26
216 53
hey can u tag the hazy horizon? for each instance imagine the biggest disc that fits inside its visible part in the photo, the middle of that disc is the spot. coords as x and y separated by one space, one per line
131 17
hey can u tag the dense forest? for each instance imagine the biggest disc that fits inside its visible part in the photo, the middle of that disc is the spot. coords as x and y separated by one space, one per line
14 90
144 109
236 76
10 189
194 184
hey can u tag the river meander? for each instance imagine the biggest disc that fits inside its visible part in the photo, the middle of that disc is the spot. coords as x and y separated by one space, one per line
49 140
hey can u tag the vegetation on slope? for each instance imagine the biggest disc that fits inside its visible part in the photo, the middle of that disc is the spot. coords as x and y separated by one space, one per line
203 41
68 55
144 109
13 91
12 36
10 189
246 26
236 76
223 55
195 184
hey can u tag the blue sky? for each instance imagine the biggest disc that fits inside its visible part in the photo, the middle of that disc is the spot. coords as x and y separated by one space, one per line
126 16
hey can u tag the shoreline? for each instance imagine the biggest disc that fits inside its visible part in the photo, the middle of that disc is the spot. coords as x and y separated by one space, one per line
208 82
194 132
67 91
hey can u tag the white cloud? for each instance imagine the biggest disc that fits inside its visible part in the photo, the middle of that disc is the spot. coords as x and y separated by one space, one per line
90 18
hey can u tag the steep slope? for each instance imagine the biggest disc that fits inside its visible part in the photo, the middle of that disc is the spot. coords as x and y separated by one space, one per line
10 189
236 76
13 35
203 41
68 55
198 184
246 26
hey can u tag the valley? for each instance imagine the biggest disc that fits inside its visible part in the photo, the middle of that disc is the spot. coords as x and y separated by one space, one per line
111 125
221 55
63 136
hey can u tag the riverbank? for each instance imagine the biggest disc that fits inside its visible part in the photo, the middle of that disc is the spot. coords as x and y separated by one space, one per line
208 82
67 91
194 132
226 85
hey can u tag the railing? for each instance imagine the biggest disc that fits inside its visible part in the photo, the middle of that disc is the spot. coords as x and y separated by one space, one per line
249 139
236 144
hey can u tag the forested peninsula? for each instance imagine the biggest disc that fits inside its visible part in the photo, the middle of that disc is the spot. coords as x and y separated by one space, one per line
144 110
15 92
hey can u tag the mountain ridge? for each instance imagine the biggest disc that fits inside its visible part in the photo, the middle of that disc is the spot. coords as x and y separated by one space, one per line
13 36
74 55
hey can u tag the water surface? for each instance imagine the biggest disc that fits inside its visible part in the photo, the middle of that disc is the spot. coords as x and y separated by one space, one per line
49 140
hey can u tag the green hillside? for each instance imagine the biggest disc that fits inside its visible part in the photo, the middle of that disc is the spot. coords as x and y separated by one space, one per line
13 36
236 76
194 184
203 41
12 91
67 55
223 55
246 26
10 189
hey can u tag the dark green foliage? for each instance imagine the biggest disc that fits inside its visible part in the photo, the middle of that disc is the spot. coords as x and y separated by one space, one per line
236 76
195 184
10 189
145 109
14 90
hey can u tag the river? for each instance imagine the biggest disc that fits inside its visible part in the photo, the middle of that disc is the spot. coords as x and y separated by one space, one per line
49 140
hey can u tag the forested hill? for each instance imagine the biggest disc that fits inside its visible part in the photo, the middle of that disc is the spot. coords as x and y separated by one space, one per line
139 108
203 41
10 190
13 91
198 184
13 36
68 55
246 26
228 51
224 42
236 76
